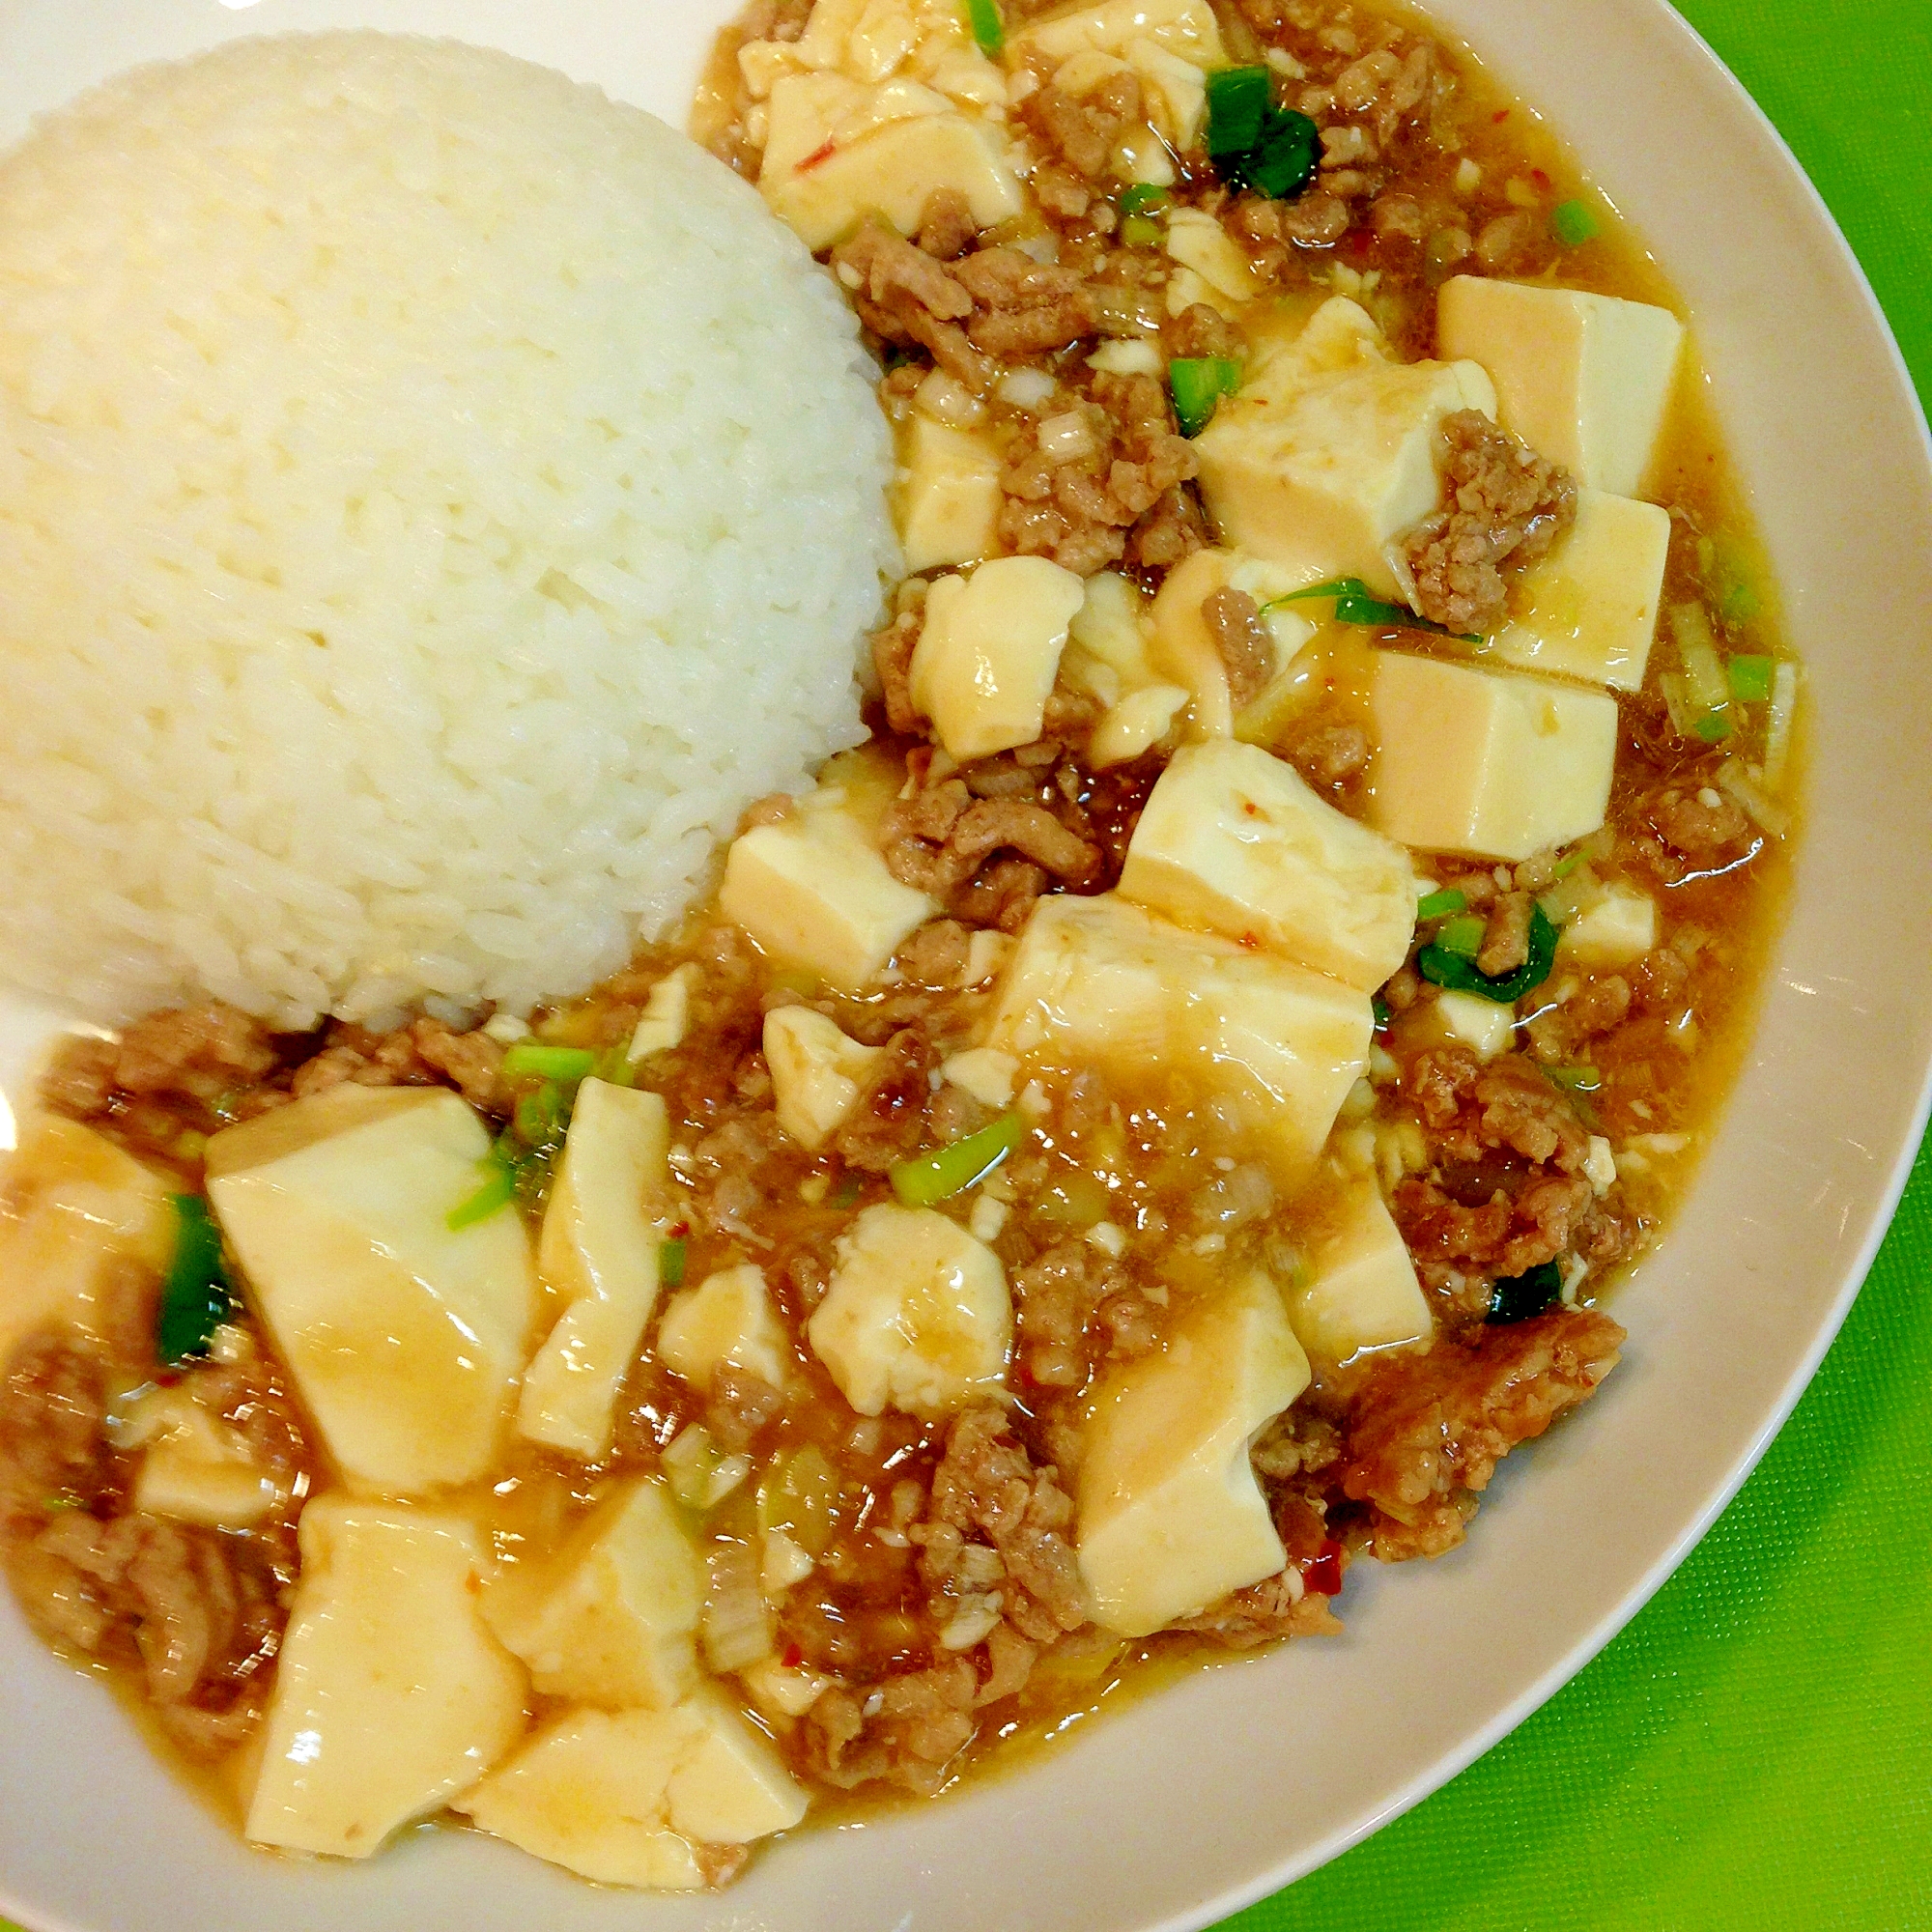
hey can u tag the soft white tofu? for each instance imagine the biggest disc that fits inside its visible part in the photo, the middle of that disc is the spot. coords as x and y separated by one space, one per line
1361 1291
813 890
818 1073
726 1321
1136 724
666 1015
1231 839
1190 1019
1583 379
918 1317
610 1618
1329 450
1186 28
990 1077
1588 607
390 1693
194 1467
1490 764
836 151
1197 240
635 1797
1170 1516
1181 648
403 1336
74 1210
1618 931
948 498
599 1252
1111 627
987 656
1467 1019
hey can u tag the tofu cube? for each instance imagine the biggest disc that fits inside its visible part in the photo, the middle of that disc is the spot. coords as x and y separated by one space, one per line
1329 451
666 1015
818 1073
813 890
1193 1021
1197 240
635 1797
1232 839
403 1336
612 1617
390 1695
1467 1019
1487 764
1170 1516
1618 931
1186 28
918 1317
195 1468
726 1321
1138 723
599 1251
1111 628
1588 607
837 150
990 1077
949 497
73 1211
986 659
1361 1291
1583 379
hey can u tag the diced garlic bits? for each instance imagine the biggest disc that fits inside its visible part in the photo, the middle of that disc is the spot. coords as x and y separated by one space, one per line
599 1250
632 1797
1231 839
947 500
1170 1517
1618 931
390 1694
1588 609
1583 379
986 659
818 1073
837 150
1201 1020
1361 1291
403 1337
812 890
1492 765
918 1317
726 1321
612 1617
195 1468
1329 450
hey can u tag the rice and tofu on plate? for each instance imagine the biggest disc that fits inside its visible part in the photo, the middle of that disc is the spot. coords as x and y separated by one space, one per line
632 1352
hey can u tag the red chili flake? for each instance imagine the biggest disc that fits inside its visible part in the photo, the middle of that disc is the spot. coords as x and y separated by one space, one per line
680 1230
1541 179
1500 115
793 1657
1359 243
1323 1576
817 157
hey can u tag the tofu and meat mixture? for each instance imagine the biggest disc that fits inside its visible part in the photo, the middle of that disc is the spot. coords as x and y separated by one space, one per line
1150 1131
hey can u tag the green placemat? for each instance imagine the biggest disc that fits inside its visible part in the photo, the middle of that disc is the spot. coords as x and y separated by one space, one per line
1755 1750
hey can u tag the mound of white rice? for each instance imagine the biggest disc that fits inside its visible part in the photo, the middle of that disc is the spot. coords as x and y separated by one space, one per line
434 500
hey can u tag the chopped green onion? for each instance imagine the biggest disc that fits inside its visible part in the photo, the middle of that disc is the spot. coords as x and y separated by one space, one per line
1739 603
540 1115
1143 198
1575 1079
846 1193
530 1057
1356 603
1439 905
1379 1007
1238 100
1750 678
1457 972
1777 725
1283 161
1464 937
670 1264
498 1190
1197 383
938 1177
1697 646
988 28
1517 1297
1565 867
1573 224
1140 231
1712 728
195 1295
615 1065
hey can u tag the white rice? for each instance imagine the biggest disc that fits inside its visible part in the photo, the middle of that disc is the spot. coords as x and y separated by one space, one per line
434 500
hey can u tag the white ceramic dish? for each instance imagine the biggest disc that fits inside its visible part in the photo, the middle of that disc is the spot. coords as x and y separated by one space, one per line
1188 1805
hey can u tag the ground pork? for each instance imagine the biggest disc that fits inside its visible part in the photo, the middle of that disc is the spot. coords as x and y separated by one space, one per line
1234 622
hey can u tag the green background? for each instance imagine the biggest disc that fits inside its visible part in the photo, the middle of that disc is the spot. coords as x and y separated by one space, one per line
1755 1750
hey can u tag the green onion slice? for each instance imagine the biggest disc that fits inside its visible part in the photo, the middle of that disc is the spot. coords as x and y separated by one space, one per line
1143 198
670 1262
846 1193
1573 224
1749 678
1463 936
1140 231
1356 603
1575 1079
1238 100
1283 161
1457 972
498 1191
1197 383
988 28
1256 144
195 1292
548 1063
938 1177
1439 905
1516 1297
1712 728
1379 1008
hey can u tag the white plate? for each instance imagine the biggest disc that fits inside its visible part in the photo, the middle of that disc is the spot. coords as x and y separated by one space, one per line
1188 1805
